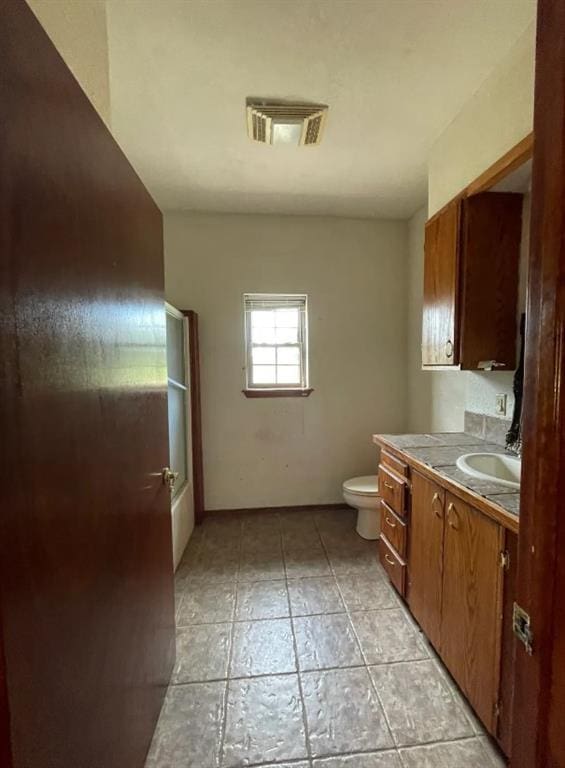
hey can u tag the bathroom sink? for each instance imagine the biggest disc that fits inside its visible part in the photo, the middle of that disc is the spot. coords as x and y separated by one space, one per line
498 467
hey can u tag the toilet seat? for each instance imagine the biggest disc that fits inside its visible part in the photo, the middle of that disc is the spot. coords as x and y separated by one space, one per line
366 485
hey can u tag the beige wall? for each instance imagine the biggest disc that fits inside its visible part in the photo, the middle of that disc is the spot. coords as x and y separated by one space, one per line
270 452
78 30
494 120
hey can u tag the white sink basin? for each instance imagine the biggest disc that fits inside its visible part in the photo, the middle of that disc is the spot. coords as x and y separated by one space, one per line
497 467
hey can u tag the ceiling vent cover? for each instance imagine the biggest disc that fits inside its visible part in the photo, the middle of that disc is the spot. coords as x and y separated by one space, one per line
286 123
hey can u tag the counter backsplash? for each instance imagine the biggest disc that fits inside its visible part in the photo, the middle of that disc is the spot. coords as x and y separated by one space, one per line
491 428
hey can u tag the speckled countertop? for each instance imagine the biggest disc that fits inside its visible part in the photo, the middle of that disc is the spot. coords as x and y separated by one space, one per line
441 450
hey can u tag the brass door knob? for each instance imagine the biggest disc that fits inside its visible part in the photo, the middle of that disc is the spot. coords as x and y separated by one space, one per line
169 477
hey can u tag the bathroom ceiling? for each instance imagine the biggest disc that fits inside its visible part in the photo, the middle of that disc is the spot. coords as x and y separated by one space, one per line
394 73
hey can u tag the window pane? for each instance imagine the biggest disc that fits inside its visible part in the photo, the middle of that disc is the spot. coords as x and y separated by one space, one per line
177 434
263 355
175 349
264 374
286 335
288 374
287 318
288 356
262 318
263 336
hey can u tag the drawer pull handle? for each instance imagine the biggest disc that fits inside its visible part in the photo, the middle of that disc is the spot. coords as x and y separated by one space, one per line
389 486
389 559
389 522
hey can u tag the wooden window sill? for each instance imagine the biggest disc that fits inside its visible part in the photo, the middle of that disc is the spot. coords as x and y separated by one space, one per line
278 392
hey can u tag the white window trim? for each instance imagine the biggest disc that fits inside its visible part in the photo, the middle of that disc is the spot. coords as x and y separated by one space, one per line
277 299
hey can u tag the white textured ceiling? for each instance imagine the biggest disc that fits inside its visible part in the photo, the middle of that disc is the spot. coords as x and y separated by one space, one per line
394 73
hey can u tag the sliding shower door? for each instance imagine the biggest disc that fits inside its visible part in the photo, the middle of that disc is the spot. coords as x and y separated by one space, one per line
180 443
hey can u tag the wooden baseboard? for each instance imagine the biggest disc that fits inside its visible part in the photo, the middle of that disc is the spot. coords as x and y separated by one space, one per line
261 510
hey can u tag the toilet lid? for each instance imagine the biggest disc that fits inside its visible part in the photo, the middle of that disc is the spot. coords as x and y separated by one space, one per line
366 485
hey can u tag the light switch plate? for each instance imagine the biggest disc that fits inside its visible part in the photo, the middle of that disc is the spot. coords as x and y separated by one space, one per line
500 407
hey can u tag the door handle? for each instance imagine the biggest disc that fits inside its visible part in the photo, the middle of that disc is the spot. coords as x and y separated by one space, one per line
452 511
390 522
449 348
169 477
438 512
389 486
389 559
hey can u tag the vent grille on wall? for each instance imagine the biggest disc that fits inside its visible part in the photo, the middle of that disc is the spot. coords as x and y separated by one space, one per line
300 124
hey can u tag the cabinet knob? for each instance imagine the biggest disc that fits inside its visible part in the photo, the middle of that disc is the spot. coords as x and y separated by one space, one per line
449 348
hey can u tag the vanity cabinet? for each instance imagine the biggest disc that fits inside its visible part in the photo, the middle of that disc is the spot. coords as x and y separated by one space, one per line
471 266
425 572
393 541
455 590
471 605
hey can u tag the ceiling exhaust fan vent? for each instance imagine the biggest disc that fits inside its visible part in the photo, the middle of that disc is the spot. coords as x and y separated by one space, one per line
284 123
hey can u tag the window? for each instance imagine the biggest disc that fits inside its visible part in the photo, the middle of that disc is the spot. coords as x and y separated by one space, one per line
276 343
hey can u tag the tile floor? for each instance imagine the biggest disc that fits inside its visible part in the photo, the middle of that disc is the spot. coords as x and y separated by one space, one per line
294 651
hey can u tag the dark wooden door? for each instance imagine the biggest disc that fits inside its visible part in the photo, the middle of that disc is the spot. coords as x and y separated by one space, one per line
85 535
425 560
439 323
538 734
472 604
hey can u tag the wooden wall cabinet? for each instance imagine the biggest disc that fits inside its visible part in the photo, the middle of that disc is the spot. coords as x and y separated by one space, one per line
471 266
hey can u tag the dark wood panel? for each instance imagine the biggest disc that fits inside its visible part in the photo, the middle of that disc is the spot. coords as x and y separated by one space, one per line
489 264
425 557
439 322
85 533
471 606
508 646
538 734
394 566
394 529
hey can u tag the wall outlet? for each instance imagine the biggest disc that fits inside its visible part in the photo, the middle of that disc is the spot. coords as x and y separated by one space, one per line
500 407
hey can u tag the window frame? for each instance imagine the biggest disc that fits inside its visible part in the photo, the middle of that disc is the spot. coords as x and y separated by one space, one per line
279 301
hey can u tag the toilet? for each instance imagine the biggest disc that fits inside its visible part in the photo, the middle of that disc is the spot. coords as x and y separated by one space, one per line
362 494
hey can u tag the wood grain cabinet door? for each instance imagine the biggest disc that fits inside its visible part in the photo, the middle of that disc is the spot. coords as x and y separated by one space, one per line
471 606
439 324
425 561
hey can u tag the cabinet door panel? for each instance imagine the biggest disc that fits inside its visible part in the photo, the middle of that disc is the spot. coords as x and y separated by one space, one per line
439 327
426 555
471 606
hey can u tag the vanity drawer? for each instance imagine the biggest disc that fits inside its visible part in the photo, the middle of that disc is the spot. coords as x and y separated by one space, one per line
392 489
398 466
393 565
394 529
